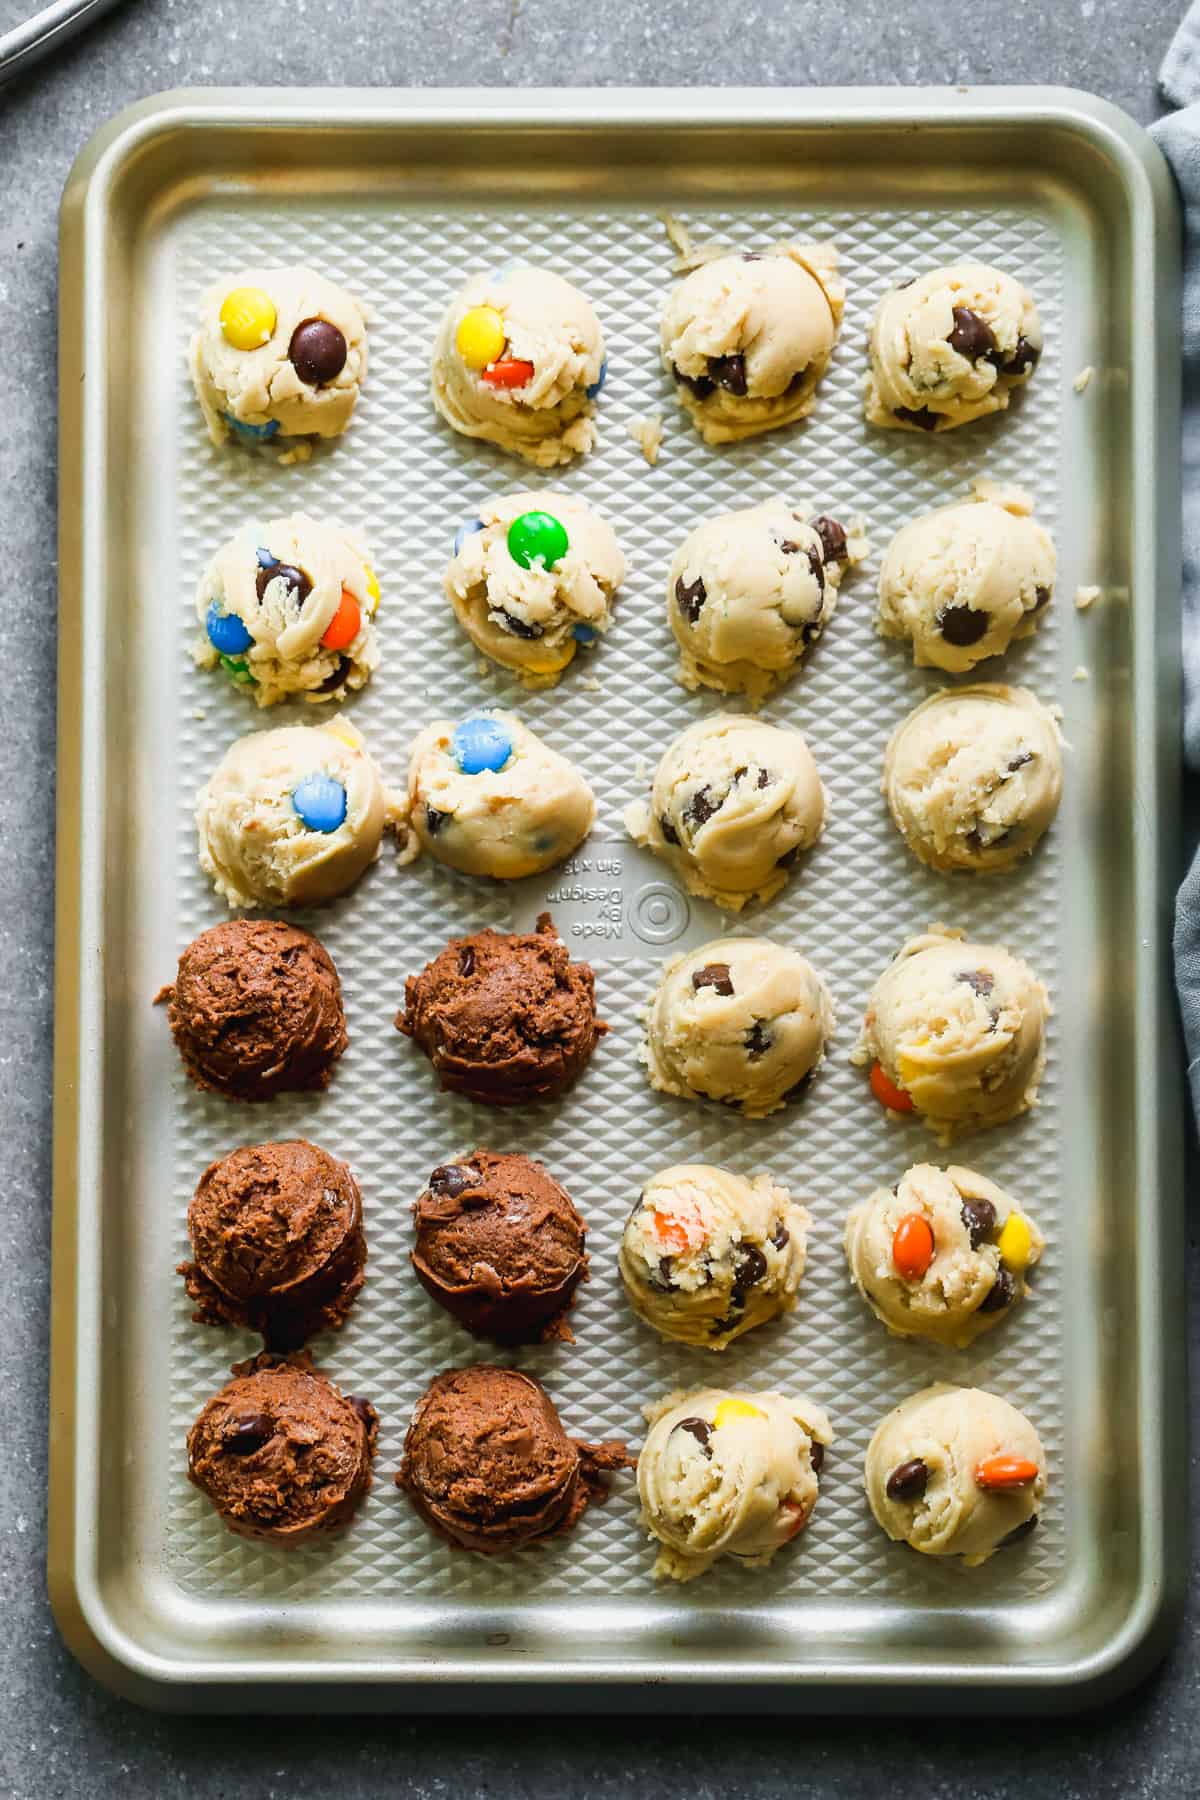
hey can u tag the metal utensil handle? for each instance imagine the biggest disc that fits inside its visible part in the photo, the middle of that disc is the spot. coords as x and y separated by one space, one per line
45 31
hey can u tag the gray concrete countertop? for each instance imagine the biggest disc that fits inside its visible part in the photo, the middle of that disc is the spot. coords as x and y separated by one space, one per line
59 1733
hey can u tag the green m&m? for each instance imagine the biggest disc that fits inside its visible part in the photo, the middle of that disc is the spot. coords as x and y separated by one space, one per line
537 537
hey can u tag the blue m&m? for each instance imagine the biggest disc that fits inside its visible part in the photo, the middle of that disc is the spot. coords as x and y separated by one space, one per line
320 802
253 434
480 744
584 634
467 529
227 633
599 382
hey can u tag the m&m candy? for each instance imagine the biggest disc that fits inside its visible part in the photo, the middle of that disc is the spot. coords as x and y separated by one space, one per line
480 338
248 318
253 434
237 670
372 588
226 632
509 372
480 744
735 1409
584 634
344 626
537 537
319 802
467 529
594 388
317 352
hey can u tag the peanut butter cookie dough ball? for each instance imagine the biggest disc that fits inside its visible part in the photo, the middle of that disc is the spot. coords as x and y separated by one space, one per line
740 1020
950 347
956 1472
519 359
973 777
279 352
725 1474
533 580
943 1255
746 339
963 582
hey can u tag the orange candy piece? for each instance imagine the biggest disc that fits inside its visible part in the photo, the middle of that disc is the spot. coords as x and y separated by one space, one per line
912 1246
794 1517
887 1093
672 1233
509 372
344 626
1005 1472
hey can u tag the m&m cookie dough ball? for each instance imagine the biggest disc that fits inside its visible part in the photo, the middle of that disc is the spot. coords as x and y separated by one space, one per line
963 582
277 1242
943 1255
956 1472
256 1010
741 1020
746 339
533 580
707 1255
724 1474
286 611
279 353
750 592
488 797
955 1032
518 360
973 777
282 1454
733 806
950 347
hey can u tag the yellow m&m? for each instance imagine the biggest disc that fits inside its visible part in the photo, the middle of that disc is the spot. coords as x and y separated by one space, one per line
480 337
247 318
1015 1242
372 588
735 1409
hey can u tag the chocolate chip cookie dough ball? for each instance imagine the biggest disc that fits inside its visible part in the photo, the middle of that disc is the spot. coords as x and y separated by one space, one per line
965 581
500 1246
279 352
973 777
505 1018
286 611
956 1472
742 1021
519 359
489 1467
749 592
733 806
277 1242
488 797
707 1255
956 1032
256 1010
950 347
281 1453
943 1255
533 580
746 339
724 1474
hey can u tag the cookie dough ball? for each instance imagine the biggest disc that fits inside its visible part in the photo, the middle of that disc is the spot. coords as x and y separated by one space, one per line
724 1474
519 359
973 777
734 803
950 347
964 581
504 1017
740 1020
750 591
256 1010
286 610
707 1255
281 1453
532 579
956 1472
279 352
942 1255
746 339
488 1465
956 1032
500 1246
488 797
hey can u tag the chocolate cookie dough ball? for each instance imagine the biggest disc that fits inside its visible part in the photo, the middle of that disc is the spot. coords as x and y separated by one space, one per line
488 797
488 1465
707 1255
973 777
504 1017
729 1474
286 611
277 1242
749 592
746 339
956 1472
279 352
281 1453
519 359
532 580
965 581
950 347
256 1010
955 1032
740 1020
943 1255
733 805
500 1246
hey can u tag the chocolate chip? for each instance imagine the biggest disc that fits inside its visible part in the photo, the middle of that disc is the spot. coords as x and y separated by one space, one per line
517 627
765 778
972 336
750 1270
244 1435
700 385
689 598
781 1236
816 1456
297 581
919 416
788 858
816 563
800 1088
978 980
799 380
1042 596
336 675
452 1179
317 352
833 538
664 1284
908 1481
812 630
701 807
363 1408
757 1040
1018 1532
1025 356
1019 760
1002 1293
434 820
962 625
700 1429
751 256
729 372
670 835
713 975
466 960
979 1217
